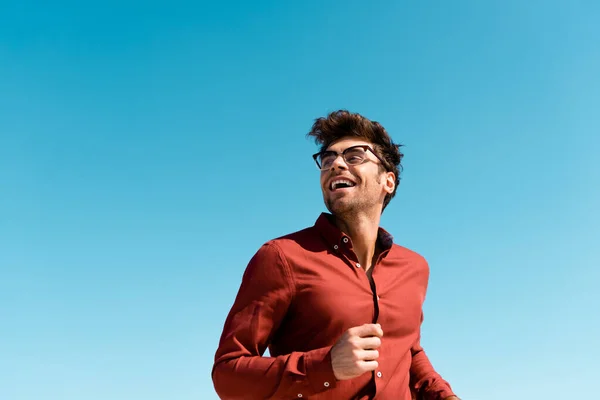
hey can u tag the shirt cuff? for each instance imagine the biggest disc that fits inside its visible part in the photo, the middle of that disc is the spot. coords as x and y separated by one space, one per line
319 370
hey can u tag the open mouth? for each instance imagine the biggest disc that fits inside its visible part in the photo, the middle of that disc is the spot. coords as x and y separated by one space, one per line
338 184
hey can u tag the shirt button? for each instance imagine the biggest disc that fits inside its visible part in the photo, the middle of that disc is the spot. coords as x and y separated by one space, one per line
357 265
336 246
299 395
326 384
379 374
345 240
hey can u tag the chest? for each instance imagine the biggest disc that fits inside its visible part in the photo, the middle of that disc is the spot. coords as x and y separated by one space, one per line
333 294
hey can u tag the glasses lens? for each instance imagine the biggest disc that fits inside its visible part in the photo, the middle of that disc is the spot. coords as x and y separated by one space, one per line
326 158
354 155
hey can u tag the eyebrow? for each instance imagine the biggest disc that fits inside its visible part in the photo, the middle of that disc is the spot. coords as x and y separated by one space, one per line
353 145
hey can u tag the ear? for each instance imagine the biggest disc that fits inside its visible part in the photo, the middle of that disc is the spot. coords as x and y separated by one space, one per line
390 182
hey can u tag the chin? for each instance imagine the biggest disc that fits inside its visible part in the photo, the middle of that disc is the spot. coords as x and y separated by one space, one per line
339 207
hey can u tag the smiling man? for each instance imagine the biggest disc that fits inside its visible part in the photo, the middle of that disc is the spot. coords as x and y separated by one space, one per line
338 304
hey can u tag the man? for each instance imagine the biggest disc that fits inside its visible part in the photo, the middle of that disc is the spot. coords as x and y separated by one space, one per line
339 305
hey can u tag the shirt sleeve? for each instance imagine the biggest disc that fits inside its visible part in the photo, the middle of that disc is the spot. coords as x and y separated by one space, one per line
425 382
240 371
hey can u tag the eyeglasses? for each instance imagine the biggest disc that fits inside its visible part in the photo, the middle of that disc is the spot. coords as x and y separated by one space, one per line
354 155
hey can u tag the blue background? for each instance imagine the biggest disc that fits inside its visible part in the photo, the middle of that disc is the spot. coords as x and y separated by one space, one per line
148 149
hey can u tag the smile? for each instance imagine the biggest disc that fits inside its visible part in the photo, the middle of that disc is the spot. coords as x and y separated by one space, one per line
341 184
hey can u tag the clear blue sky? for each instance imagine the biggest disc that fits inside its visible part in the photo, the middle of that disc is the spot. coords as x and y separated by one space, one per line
148 149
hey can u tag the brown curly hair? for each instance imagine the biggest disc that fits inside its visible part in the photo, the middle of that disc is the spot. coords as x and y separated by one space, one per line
342 123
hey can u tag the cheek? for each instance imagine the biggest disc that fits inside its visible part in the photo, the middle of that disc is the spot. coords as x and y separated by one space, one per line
322 184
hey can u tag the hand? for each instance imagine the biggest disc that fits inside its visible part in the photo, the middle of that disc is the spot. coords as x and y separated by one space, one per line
356 351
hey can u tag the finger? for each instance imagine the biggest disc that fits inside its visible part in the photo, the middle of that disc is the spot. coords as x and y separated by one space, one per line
369 355
379 330
368 365
369 343
367 330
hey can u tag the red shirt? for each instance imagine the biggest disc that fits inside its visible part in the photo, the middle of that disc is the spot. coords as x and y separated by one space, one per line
298 295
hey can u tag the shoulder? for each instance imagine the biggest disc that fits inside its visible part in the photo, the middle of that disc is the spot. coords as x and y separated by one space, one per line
406 255
404 252
278 250
274 260
268 267
306 239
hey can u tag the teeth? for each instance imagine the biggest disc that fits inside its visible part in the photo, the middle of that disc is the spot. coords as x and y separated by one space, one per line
338 182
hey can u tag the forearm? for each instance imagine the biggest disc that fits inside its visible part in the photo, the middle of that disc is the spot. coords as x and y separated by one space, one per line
425 380
287 376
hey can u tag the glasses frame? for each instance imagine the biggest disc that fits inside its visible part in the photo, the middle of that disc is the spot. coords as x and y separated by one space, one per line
343 154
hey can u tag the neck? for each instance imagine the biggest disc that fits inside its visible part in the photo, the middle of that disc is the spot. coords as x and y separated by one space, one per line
362 229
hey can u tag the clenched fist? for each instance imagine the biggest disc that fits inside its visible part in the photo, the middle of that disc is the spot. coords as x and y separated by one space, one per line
356 351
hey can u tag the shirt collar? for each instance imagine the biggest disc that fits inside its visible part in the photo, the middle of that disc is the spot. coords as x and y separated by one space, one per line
336 238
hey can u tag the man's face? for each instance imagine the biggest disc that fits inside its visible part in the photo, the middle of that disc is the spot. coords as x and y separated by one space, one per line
350 189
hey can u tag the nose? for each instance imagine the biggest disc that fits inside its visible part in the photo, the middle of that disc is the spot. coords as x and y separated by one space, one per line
339 163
